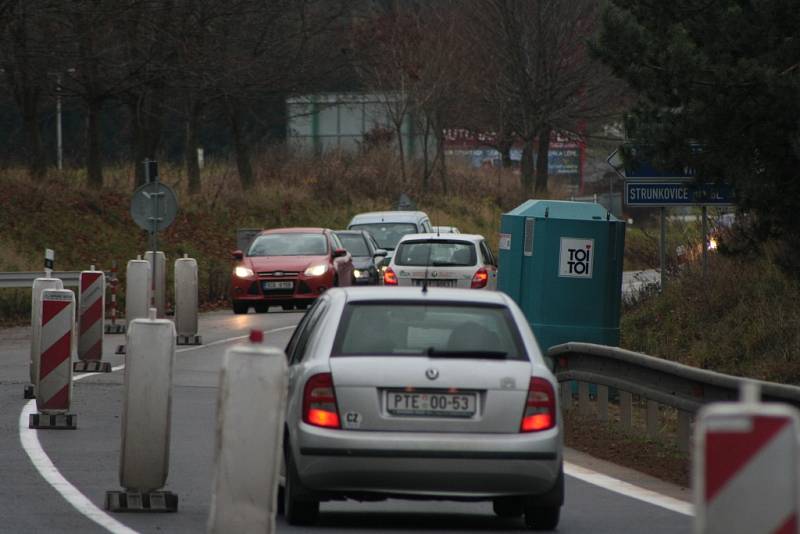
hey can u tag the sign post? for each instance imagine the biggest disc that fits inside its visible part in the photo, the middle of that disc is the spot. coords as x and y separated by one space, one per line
49 260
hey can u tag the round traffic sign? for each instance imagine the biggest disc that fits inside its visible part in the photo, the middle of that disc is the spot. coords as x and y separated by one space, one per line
154 206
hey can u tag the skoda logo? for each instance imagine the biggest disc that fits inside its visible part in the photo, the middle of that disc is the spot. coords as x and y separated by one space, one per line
434 274
432 373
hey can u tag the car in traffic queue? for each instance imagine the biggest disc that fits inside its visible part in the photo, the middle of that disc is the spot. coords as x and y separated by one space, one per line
366 254
388 227
442 260
289 267
445 230
436 394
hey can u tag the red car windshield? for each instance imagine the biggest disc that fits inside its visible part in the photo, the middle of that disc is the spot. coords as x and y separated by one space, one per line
289 245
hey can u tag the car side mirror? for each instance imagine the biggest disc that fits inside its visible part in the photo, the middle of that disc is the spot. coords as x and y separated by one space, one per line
339 252
237 255
380 253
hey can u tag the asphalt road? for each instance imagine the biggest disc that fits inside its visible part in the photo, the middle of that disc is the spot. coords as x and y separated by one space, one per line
88 457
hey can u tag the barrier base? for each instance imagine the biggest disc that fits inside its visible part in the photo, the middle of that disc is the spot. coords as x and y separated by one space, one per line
136 501
28 393
91 366
189 340
114 329
61 421
120 349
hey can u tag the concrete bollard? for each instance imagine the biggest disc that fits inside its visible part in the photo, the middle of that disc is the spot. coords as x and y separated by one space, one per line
54 382
186 301
159 286
91 307
137 292
146 412
251 403
39 285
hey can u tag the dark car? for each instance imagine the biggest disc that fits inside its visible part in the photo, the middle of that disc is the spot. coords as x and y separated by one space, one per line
366 255
288 267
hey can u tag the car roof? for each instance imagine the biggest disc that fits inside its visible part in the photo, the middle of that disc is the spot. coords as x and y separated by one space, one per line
381 293
353 232
294 230
388 216
472 238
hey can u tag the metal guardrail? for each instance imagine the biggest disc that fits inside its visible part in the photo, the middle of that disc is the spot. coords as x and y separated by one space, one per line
659 381
25 279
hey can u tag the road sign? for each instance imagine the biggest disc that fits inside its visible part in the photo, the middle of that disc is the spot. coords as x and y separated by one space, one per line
639 193
149 214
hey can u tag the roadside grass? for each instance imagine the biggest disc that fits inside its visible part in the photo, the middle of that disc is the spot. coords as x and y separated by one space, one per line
743 319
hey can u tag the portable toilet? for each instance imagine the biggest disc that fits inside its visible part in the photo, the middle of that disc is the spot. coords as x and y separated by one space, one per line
562 263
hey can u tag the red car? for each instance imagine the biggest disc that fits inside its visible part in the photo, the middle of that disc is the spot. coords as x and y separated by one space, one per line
288 267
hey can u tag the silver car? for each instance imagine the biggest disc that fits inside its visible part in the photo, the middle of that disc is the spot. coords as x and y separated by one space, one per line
435 394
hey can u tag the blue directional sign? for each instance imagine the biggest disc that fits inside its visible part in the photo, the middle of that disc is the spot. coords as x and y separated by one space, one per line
676 193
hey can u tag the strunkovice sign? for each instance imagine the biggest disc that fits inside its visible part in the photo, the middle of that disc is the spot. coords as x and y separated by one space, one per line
676 193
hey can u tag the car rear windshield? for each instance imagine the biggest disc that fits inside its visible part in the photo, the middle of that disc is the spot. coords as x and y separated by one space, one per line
355 244
428 329
387 234
439 253
289 245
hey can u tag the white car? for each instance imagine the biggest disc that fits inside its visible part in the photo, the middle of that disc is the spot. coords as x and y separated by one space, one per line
438 394
446 230
436 260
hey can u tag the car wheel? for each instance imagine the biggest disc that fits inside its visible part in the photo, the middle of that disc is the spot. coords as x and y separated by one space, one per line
261 307
542 518
508 506
240 308
298 507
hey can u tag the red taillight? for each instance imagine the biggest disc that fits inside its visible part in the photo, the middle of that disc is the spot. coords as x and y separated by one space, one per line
389 278
319 402
540 407
480 279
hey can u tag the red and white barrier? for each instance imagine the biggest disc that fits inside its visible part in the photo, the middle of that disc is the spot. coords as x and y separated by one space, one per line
91 303
113 327
54 383
746 468
39 285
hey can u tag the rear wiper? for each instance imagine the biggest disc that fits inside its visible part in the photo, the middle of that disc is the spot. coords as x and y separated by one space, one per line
433 352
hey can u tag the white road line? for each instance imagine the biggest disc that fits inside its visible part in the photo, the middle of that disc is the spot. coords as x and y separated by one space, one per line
627 489
33 448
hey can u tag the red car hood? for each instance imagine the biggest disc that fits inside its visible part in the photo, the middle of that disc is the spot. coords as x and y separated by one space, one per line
282 263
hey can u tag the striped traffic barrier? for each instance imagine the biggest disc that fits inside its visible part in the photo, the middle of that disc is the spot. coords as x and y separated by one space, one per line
186 301
253 386
137 292
746 467
39 285
158 281
146 413
54 383
91 303
113 327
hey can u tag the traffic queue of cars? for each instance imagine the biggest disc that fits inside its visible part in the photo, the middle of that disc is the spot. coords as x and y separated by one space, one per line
413 391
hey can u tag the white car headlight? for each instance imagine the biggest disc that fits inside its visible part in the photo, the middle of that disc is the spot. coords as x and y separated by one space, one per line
317 270
243 272
359 273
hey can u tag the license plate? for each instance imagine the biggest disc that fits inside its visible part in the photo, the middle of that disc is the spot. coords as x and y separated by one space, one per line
277 284
431 404
435 282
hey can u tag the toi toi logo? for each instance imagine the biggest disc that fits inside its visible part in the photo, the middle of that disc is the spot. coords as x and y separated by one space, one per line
576 258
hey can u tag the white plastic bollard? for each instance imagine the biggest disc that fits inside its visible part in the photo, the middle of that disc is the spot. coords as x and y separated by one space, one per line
746 467
39 285
186 301
159 290
251 403
146 412
91 310
137 290
54 382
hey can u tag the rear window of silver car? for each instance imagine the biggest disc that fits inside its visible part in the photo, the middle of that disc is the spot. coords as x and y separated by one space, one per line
434 329
437 253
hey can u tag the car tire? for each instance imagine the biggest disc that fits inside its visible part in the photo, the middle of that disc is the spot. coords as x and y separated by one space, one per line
298 506
542 518
240 308
508 506
261 307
